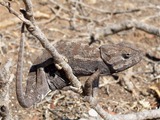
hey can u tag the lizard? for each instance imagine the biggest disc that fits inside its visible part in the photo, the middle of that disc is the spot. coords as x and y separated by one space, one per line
84 60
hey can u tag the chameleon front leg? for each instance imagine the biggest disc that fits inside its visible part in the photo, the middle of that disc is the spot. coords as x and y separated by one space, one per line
91 85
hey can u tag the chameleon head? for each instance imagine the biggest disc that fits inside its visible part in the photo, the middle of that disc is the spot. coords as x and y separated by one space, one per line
120 56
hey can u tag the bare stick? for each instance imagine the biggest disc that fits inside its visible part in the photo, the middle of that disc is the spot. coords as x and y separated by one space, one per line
4 112
7 5
58 59
59 5
91 97
35 31
126 25
148 114
5 80
144 115
106 12
147 28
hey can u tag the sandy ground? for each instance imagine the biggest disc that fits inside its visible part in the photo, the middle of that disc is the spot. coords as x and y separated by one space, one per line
114 95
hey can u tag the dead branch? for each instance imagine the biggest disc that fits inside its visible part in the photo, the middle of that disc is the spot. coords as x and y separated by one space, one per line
4 113
84 17
148 114
12 11
126 25
5 79
104 11
58 15
143 115
59 5
28 19
58 59
76 16
13 21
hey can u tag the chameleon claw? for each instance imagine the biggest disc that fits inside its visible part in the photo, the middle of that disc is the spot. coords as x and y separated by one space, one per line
59 67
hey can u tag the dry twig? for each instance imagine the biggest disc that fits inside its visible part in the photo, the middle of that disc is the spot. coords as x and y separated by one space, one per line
28 19
5 78
104 11
126 25
143 115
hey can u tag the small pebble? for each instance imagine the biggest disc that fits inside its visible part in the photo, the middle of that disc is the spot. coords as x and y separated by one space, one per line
92 113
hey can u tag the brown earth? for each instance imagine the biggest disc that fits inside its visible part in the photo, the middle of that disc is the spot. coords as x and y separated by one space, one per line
114 95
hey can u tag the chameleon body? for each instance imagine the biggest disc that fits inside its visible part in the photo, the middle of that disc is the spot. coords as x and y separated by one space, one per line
84 61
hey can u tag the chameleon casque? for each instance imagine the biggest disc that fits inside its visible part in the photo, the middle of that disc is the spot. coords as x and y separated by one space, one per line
84 61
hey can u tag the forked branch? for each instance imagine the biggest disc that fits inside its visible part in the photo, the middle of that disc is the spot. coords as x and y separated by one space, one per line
126 25
28 19
143 115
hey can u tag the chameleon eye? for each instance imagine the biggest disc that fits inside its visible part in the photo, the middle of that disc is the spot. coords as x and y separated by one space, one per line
126 55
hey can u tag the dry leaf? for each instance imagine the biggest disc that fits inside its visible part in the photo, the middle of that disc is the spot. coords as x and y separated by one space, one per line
145 103
156 87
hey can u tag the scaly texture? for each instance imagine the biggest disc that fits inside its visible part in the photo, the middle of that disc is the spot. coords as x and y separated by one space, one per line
83 59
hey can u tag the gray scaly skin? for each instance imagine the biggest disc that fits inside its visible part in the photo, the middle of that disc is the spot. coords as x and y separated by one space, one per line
84 61
36 87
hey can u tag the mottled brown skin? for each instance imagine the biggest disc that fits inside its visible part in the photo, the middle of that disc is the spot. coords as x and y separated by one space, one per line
84 61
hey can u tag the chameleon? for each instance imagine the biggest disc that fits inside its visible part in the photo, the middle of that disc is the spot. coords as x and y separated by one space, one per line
84 60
